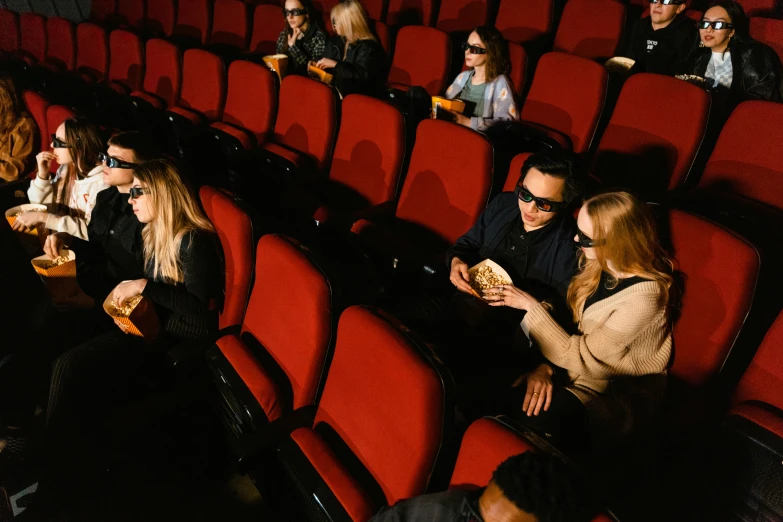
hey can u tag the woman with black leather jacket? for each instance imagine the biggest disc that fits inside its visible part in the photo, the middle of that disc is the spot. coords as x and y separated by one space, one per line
353 56
730 61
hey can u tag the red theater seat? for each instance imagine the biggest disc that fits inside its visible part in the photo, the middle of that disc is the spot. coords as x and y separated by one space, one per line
235 230
645 148
32 48
410 12
160 19
271 369
746 162
462 15
518 75
194 19
768 31
126 69
37 107
203 88
230 24
393 429
591 28
100 10
61 45
131 13
376 9
759 7
445 190
570 109
299 139
251 104
92 52
514 171
421 57
9 32
367 162
163 75
525 22
267 24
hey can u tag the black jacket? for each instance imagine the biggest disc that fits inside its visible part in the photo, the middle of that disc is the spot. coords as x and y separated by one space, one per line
756 71
115 251
551 258
362 71
449 506
664 51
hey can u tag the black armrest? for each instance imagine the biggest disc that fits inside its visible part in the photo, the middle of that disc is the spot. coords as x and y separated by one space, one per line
249 445
186 352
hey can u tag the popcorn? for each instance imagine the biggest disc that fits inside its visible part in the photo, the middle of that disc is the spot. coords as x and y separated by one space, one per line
57 261
485 278
125 309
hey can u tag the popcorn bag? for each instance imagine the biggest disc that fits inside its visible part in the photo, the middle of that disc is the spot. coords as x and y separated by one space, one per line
12 213
58 274
450 105
319 74
137 314
619 64
485 275
277 63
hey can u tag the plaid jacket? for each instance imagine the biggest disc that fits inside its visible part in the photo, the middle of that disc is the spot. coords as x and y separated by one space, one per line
309 49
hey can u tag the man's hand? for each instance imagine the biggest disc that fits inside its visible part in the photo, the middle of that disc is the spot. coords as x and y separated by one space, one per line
459 276
56 242
539 389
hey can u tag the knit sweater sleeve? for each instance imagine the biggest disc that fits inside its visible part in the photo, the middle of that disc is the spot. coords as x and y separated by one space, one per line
40 191
499 107
605 351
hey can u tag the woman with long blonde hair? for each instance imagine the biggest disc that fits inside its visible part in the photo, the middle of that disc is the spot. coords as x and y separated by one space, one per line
353 56
612 371
17 133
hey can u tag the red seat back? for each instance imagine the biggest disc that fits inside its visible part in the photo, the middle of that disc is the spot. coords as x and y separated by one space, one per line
127 59
747 160
376 9
163 75
194 19
768 31
37 106
666 139
514 171
527 21
230 23
591 28
132 12
101 9
92 49
161 16
55 116
267 24
462 15
421 57
518 58
235 230
251 102
33 29
61 45
203 83
9 31
763 380
720 270
448 180
289 289
391 416
570 107
759 7
485 445
300 99
368 159
410 12
381 31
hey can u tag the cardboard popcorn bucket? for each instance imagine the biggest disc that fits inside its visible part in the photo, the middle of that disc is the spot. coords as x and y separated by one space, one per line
137 315
619 64
319 74
13 212
277 63
485 275
450 105
59 274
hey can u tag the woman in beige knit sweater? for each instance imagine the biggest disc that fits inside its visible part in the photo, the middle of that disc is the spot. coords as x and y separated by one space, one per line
616 364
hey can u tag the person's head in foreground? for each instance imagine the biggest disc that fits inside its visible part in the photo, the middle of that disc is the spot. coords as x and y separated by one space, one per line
548 183
617 234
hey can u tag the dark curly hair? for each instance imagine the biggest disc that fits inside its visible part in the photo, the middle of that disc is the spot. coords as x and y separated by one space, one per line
498 61
542 485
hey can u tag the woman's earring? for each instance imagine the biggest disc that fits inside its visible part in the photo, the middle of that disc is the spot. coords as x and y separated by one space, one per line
701 44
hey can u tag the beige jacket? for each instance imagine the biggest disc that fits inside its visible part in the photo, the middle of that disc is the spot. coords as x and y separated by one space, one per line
16 149
617 365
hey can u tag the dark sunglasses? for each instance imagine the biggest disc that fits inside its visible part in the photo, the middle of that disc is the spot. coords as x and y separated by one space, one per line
294 12
715 25
136 192
57 143
114 163
667 2
474 49
586 241
543 205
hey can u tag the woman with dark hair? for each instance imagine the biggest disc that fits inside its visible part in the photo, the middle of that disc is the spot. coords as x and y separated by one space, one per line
730 60
303 38
70 195
17 133
485 87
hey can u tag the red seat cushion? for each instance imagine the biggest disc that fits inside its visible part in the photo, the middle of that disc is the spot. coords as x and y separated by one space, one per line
758 414
352 497
383 235
763 380
244 137
253 375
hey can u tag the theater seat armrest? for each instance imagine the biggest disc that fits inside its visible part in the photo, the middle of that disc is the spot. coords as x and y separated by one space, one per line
248 446
541 137
380 212
187 352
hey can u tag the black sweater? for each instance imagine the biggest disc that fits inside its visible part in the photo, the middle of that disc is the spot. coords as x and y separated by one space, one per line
190 308
362 71
664 51
551 259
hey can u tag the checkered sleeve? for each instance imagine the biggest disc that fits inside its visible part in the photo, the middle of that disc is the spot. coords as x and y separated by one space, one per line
282 43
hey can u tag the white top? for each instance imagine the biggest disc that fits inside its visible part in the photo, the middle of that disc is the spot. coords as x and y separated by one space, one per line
720 69
82 200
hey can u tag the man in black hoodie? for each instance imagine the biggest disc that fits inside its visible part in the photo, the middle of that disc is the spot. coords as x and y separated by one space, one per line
661 42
